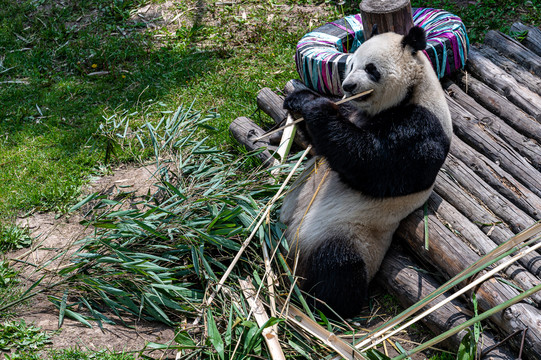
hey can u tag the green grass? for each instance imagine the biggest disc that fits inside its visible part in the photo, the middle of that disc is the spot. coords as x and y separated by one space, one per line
482 16
52 107
18 336
13 237
218 55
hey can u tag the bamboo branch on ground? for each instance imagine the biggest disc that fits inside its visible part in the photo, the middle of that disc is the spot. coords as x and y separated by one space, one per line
256 307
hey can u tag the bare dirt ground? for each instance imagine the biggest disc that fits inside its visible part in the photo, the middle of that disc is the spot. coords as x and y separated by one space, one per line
55 240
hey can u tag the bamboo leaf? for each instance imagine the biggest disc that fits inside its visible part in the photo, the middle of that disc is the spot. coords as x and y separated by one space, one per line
467 348
214 335
374 354
83 202
62 309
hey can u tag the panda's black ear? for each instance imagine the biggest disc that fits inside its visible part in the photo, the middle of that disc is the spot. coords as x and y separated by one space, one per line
416 38
375 30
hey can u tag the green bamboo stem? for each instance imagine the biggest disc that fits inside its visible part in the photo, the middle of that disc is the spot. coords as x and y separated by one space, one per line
470 322
455 295
505 249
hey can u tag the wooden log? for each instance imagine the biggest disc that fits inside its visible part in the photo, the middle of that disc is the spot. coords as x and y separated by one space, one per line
473 236
499 105
245 131
532 40
514 50
504 83
388 15
468 128
400 277
272 104
517 219
479 214
451 255
497 178
528 148
523 76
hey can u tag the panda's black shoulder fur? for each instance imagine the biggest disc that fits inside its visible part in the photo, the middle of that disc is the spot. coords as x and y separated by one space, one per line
396 152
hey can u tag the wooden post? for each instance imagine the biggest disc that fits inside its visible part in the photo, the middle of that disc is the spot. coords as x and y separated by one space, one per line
388 15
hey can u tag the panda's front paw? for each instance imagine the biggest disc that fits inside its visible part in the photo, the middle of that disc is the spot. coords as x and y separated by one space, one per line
296 101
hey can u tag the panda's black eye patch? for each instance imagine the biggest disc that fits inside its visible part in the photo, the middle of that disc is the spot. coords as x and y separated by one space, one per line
373 72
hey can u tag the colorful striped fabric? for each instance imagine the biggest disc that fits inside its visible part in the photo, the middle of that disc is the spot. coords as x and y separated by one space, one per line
322 54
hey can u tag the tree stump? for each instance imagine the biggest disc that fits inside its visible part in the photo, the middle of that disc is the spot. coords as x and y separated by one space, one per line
388 15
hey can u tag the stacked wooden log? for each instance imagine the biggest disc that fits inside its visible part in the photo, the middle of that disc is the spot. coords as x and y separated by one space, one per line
488 190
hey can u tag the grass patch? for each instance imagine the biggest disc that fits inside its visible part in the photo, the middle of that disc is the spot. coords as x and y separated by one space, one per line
19 336
76 354
14 237
67 67
481 16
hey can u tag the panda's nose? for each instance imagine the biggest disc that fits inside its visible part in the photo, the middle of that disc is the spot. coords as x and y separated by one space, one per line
349 87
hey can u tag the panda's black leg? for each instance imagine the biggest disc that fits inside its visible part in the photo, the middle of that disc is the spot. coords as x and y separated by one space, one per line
337 276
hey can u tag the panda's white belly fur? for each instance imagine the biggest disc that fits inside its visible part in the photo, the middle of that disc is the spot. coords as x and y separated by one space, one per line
320 206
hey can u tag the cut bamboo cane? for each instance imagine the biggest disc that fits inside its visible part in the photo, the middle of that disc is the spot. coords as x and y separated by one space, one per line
451 255
299 319
273 105
400 276
356 96
368 343
261 317
478 240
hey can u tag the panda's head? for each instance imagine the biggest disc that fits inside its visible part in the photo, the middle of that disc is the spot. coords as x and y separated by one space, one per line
391 65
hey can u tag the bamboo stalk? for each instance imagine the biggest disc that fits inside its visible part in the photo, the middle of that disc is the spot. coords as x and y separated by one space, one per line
473 284
470 322
495 255
261 317
299 319
301 119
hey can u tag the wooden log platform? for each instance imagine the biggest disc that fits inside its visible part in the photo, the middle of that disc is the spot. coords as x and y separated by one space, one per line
488 190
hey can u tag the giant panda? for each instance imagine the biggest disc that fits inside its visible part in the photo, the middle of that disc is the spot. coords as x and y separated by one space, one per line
377 161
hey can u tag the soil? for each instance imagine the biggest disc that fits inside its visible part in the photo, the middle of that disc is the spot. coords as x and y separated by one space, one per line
55 240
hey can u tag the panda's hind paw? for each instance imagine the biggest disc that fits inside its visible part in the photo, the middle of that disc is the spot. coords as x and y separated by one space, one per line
298 99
